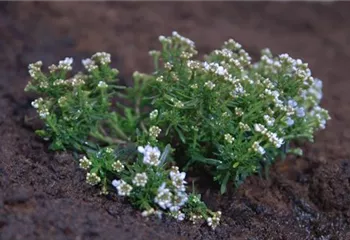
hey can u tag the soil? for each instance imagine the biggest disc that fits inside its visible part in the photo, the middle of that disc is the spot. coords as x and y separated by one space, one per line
43 194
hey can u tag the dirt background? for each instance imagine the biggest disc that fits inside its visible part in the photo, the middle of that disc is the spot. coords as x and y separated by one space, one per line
43 194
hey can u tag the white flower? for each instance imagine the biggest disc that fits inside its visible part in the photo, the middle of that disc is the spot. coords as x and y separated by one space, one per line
273 138
154 131
67 61
62 100
43 113
260 128
257 148
161 38
141 149
117 166
102 57
301 112
292 103
269 120
65 64
178 104
209 84
89 64
154 53
148 212
168 66
221 71
183 39
318 83
239 112
244 126
140 179
214 221
179 199
43 84
85 163
102 84
206 66
228 138
178 180
160 79
59 82
35 68
76 82
150 155
179 216
289 121
92 178
109 150
164 197
37 102
122 187
239 90
186 55
153 115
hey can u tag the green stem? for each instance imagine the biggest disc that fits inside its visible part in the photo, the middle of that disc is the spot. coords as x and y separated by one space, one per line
113 123
137 110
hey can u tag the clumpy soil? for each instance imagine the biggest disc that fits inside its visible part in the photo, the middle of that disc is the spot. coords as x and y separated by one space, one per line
43 194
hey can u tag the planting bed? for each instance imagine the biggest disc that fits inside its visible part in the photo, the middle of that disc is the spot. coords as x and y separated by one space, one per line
43 195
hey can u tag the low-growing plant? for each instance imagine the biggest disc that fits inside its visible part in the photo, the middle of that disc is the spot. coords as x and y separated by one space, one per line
226 114
79 116
229 113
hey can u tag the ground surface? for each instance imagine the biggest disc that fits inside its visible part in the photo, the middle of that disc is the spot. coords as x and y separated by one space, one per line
43 194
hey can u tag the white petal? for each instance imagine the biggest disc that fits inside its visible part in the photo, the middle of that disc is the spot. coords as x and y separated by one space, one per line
141 149
115 183
182 175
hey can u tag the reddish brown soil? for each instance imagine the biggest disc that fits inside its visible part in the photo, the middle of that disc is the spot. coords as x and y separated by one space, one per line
43 194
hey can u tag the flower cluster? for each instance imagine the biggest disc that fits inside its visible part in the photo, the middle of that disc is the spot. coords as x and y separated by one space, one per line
66 64
214 221
85 163
140 179
154 131
122 187
92 178
156 189
150 155
117 166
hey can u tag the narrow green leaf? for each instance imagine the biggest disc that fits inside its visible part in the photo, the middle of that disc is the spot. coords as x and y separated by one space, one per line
210 161
165 153
223 187
181 135
223 167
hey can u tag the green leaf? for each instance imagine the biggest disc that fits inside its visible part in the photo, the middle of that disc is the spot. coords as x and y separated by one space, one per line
41 133
224 183
223 167
165 153
181 135
210 161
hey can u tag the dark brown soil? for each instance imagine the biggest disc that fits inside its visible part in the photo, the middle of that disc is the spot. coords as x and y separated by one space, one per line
43 194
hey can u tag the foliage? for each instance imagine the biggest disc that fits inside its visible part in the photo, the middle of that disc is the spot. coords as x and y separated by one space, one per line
229 113
226 114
